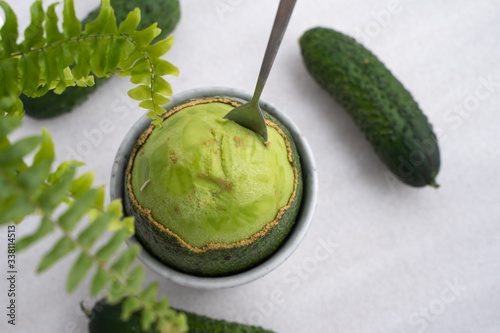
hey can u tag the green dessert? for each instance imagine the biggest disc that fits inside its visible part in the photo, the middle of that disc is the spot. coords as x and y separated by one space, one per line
210 197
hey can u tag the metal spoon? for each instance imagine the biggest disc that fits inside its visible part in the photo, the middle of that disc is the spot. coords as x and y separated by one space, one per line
249 115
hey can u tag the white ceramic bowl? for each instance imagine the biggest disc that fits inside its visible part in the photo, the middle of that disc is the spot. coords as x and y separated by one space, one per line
302 221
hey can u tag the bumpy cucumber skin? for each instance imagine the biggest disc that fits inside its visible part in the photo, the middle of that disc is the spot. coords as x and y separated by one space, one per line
165 12
223 261
378 103
105 318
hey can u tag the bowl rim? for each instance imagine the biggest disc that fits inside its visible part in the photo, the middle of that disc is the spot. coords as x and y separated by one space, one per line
302 221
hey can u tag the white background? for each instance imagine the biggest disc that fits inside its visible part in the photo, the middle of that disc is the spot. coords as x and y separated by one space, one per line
403 259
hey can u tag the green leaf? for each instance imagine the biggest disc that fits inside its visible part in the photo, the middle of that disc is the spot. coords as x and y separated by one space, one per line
59 87
61 169
156 119
99 281
46 67
162 305
58 192
9 32
15 208
148 317
62 248
86 81
135 56
129 25
46 151
68 75
9 93
82 183
71 25
107 250
10 103
162 67
122 73
33 178
64 59
10 69
144 37
135 278
44 228
160 100
70 218
48 62
141 66
116 292
7 190
119 223
111 27
150 105
78 272
12 157
126 258
33 35
8 124
161 86
160 48
181 322
98 57
141 78
81 53
116 53
99 202
163 325
105 22
140 93
130 305
4 142
30 72
141 72
115 207
42 90
149 294
96 229
51 28
128 224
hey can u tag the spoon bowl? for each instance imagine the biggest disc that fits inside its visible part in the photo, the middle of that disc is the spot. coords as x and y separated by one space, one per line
249 115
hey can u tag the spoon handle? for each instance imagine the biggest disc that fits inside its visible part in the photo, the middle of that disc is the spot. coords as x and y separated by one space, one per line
280 23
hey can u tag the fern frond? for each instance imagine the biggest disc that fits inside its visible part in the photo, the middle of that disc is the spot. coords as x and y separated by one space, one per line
28 188
52 59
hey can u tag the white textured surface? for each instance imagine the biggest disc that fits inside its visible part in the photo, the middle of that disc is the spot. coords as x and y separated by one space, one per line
402 259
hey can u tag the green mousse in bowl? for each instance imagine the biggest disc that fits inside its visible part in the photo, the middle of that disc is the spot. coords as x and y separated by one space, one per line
210 197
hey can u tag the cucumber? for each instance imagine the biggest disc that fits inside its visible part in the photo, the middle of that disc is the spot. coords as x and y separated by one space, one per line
165 12
377 102
105 318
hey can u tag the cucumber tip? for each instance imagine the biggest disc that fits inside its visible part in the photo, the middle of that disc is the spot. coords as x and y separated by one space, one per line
433 183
